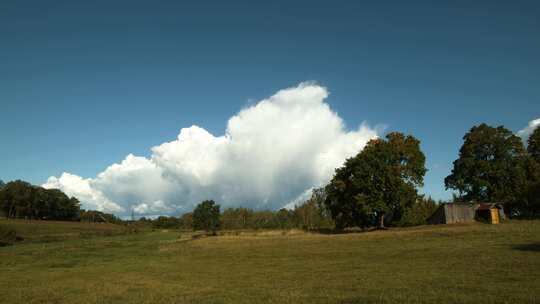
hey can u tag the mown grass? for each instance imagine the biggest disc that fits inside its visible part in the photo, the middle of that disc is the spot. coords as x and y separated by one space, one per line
476 263
50 231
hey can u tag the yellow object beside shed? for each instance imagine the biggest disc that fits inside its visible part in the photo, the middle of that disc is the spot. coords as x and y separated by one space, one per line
489 212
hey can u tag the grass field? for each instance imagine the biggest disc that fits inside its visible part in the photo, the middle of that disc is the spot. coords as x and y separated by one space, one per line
476 263
51 231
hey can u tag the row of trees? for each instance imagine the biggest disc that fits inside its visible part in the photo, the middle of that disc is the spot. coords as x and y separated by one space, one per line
380 185
94 216
311 215
377 187
19 199
207 216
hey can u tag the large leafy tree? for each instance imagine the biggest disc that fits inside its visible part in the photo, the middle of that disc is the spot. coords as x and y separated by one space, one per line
206 216
492 166
533 145
381 180
530 203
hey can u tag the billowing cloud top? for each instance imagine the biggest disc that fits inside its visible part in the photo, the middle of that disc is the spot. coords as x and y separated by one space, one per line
527 131
272 153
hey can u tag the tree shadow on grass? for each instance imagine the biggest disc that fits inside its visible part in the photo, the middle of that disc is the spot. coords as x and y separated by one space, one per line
528 247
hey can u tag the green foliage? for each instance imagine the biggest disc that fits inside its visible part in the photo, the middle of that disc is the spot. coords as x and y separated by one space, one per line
526 205
8 236
244 218
285 219
98 217
493 166
533 145
19 199
237 218
186 221
312 215
530 205
418 213
263 220
309 215
206 216
166 222
530 202
489 163
381 180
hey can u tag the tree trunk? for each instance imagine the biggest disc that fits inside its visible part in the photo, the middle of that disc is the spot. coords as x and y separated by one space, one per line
381 221
11 211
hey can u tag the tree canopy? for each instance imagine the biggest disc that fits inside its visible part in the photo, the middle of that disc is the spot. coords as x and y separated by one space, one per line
206 216
492 166
533 145
19 199
530 204
98 217
381 180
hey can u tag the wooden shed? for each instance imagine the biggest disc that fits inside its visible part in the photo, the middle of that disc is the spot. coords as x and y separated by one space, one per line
450 213
453 213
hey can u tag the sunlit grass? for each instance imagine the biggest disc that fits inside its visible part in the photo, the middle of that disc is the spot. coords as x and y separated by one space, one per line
475 263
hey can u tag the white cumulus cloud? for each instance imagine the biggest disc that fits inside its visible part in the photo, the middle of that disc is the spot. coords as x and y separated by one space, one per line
527 131
154 208
271 154
80 188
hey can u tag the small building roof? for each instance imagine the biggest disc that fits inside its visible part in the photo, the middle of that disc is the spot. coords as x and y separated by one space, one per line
488 206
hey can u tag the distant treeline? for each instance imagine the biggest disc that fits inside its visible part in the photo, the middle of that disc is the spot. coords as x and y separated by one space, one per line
310 215
377 187
19 199
94 216
306 216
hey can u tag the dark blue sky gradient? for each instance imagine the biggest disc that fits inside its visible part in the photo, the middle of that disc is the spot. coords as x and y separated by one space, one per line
84 83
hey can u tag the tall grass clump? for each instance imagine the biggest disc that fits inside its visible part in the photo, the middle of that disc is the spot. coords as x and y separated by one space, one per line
8 236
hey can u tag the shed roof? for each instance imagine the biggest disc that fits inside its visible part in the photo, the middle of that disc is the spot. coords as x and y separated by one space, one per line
488 206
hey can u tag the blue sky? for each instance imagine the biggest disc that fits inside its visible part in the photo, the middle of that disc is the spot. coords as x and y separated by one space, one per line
85 83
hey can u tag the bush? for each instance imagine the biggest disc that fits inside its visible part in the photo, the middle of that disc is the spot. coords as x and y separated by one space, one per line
166 222
8 236
418 213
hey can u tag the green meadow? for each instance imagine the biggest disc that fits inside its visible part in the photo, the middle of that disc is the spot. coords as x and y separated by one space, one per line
101 263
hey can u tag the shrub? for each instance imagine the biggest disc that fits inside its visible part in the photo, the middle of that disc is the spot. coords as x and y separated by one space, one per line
418 213
206 216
